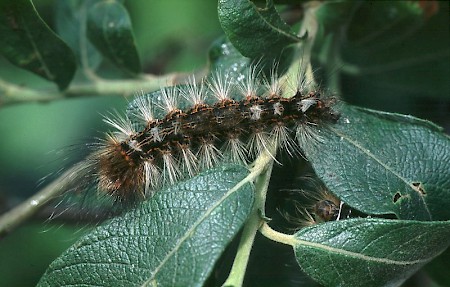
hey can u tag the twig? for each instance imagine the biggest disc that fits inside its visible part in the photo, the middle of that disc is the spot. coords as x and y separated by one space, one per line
263 168
20 213
14 94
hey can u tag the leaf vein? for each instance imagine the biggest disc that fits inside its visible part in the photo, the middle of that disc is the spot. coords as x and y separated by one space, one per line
380 162
304 243
191 230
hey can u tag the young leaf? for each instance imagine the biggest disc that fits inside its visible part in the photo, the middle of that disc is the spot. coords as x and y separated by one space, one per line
109 29
255 31
385 163
369 252
172 239
30 44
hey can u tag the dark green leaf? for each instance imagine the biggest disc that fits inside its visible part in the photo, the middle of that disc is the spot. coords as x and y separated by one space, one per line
369 252
225 59
30 44
71 22
438 269
380 54
255 31
173 239
385 163
109 29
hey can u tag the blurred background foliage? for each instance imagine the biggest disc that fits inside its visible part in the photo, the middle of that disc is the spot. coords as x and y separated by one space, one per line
38 139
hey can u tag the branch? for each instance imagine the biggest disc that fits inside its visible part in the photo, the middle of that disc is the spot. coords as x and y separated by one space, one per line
261 171
20 213
14 94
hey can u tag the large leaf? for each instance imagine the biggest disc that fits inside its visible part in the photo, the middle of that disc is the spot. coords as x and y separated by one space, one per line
173 239
109 29
385 163
255 31
30 44
369 252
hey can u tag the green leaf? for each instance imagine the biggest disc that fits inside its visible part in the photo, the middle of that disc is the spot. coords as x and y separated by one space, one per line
369 252
71 22
255 31
30 44
109 29
381 54
227 60
385 163
438 269
173 239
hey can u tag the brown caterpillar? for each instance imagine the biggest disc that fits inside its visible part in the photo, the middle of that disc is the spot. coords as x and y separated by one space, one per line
221 123
313 205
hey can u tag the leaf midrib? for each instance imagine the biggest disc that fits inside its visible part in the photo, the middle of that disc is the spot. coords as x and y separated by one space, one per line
313 245
381 163
268 24
191 230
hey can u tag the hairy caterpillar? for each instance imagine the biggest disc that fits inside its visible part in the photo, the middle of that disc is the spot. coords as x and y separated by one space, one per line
313 205
160 142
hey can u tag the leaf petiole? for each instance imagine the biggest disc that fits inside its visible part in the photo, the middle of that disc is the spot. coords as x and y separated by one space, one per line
261 171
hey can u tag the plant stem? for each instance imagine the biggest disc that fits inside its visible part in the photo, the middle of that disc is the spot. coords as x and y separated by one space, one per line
20 213
14 94
264 167
276 236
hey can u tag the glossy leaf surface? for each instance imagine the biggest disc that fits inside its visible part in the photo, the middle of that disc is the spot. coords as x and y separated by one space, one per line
255 31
